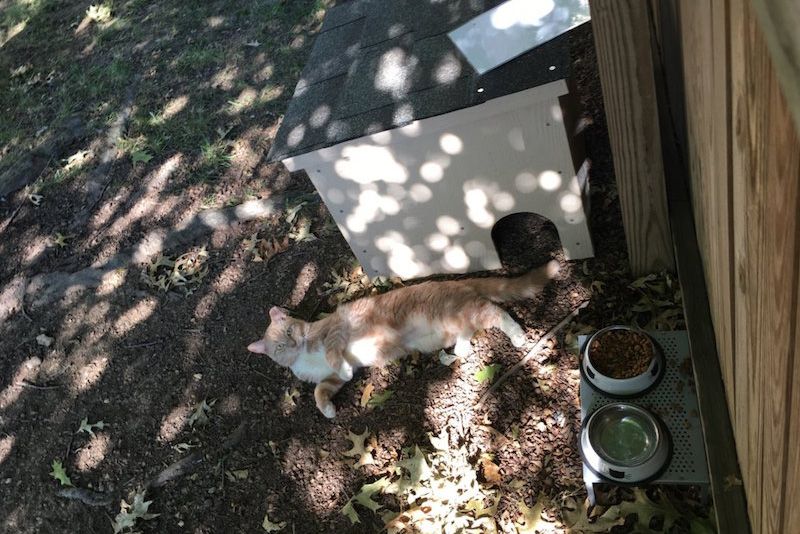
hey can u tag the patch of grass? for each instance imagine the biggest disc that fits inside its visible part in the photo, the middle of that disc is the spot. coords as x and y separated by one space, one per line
214 159
198 58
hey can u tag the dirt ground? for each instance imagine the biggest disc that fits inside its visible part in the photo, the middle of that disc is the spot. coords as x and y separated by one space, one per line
174 106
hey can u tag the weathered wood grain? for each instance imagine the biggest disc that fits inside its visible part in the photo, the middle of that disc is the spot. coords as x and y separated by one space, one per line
791 491
706 61
766 172
780 20
729 500
622 33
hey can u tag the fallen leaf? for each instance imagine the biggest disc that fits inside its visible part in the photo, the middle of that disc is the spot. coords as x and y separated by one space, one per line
576 517
364 498
35 199
359 450
129 514
378 399
289 397
269 526
490 470
487 373
645 509
59 473
140 156
253 44
183 447
89 427
531 520
44 340
731 481
61 239
440 442
417 466
366 394
238 474
200 415
350 512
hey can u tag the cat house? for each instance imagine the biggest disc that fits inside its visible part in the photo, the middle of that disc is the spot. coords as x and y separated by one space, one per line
416 153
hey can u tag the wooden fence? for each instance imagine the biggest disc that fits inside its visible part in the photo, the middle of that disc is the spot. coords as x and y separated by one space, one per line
722 63
743 156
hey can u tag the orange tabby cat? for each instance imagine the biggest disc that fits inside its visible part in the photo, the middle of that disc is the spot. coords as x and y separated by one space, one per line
375 330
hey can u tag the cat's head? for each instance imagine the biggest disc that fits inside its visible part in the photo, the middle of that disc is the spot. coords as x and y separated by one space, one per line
283 339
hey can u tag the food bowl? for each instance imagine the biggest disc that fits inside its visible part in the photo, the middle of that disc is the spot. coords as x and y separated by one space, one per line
625 443
622 362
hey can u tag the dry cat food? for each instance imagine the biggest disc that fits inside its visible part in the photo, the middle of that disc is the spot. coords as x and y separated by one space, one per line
621 353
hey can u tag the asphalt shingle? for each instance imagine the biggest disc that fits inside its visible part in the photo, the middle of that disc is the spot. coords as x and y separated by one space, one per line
378 64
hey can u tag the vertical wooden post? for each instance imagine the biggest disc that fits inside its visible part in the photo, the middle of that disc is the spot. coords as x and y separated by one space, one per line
622 36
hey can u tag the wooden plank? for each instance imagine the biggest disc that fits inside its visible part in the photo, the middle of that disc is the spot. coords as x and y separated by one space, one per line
792 489
730 505
776 150
704 34
622 34
779 21
729 500
766 170
748 222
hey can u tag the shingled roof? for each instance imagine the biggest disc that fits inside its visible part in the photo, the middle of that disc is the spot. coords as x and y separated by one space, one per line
381 64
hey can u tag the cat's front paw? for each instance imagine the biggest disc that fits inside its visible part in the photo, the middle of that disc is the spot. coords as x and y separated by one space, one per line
327 409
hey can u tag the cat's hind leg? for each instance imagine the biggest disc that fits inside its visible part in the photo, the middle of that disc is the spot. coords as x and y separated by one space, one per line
324 392
495 316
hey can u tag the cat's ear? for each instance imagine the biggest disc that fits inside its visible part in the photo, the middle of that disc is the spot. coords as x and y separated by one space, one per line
259 347
278 314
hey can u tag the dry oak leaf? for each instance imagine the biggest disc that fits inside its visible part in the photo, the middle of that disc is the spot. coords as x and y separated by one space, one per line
269 526
364 498
368 389
576 518
490 470
359 450
531 519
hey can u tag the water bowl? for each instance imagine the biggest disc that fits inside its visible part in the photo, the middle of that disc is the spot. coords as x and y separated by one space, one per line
625 443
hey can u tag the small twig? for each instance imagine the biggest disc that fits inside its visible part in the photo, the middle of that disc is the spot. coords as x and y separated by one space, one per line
69 446
535 350
24 198
23 342
28 384
25 314
145 344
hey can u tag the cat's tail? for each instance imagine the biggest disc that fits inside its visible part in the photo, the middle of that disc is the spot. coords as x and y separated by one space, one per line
526 286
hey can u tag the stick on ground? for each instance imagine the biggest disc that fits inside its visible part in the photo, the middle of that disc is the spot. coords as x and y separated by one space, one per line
534 351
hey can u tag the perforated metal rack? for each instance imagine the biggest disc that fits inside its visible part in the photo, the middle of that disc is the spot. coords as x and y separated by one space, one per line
674 400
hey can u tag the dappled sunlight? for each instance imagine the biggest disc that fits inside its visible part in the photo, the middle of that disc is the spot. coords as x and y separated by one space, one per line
93 453
302 284
85 376
360 163
173 107
28 370
230 405
173 423
225 78
112 281
138 313
451 144
226 282
6 446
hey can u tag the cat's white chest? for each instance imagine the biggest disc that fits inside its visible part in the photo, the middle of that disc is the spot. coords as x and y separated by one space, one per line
311 366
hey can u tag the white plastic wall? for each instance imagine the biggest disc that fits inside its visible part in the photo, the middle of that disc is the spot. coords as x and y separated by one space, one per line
423 198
